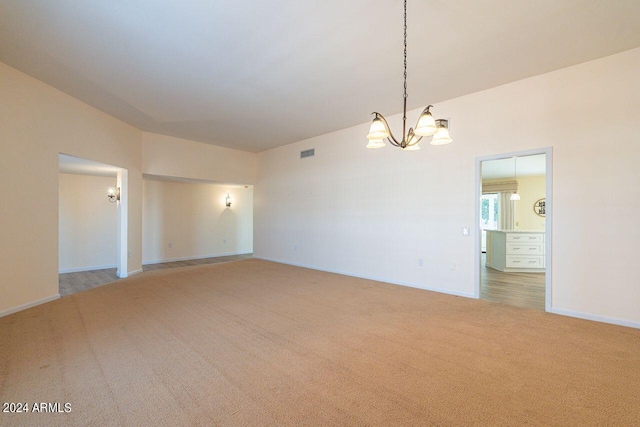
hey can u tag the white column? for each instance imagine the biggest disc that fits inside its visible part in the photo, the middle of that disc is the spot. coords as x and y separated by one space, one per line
123 223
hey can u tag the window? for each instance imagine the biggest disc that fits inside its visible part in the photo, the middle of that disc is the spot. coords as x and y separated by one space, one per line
489 212
488 216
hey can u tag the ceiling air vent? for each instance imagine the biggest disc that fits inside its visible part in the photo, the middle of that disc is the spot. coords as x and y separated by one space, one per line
308 153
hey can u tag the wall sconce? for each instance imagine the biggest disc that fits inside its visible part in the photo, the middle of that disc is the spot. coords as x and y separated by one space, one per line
113 194
228 200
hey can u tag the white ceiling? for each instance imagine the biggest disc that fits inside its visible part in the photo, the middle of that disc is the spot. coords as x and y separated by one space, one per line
255 74
78 166
506 168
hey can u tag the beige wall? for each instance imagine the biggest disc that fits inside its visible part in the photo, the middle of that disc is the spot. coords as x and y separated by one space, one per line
88 223
191 220
175 157
531 189
37 122
374 213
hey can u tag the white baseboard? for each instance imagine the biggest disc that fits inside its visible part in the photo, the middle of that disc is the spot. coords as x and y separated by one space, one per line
28 305
189 258
129 273
596 318
377 279
95 267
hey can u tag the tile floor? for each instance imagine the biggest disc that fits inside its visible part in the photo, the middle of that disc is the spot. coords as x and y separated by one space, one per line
71 283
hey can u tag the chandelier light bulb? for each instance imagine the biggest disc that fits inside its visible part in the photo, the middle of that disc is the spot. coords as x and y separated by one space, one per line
426 124
442 136
378 130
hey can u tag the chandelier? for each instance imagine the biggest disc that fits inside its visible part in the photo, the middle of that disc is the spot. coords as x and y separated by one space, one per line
426 126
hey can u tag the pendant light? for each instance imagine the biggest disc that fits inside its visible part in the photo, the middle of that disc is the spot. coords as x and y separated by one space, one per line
426 126
515 196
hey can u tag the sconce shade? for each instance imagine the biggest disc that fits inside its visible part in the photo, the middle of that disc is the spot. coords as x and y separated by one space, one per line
228 200
375 143
426 125
113 194
442 136
378 130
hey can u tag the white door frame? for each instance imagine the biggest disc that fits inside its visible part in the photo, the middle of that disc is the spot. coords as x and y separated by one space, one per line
122 182
548 216
123 223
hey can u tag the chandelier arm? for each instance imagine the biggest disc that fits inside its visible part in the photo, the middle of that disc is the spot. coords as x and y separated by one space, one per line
426 110
391 138
393 142
418 139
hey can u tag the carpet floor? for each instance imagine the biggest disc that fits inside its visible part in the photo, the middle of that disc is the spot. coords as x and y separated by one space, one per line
260 343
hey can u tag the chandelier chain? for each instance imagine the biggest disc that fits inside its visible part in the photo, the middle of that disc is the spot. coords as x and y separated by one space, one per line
405 48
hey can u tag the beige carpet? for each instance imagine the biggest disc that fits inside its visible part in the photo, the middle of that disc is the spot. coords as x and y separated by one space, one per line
259 343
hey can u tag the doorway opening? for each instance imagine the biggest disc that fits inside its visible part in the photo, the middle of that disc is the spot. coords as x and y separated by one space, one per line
92 227
513 250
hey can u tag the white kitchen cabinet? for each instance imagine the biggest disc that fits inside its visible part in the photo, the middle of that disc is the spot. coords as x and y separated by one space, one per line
516 251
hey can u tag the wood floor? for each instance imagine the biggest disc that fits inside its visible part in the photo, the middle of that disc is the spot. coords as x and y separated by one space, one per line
524 290
70 283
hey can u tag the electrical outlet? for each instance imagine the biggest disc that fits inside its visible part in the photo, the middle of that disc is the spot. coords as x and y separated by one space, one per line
129 255
224 241
420 262
466 231
295 248
453 266
170 245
